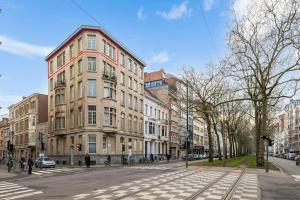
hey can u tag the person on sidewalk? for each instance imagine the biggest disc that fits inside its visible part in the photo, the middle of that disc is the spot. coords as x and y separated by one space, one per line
87 160
151 158
30 164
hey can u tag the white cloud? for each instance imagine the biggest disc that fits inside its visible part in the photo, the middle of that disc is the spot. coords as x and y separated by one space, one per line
176 12
7 100
160 57
22 48
141 14
207 4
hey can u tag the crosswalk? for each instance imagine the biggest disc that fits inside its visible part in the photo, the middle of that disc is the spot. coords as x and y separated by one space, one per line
151 167
9 191
296 177
55 171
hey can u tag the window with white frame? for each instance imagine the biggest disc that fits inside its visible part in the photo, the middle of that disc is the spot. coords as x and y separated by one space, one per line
109 116
135 123
130 122
79 67
135 85
80 117
130 66
141 105
122 98
130 101
122 79
92 143
92 88
72 118
71 48
109 90
135 68
135 103
122 121
109 70
91 114
122 60
130 82
141 73
104 143
79 45
109 50
72 95
152 128
92 64
141 125
71 71
91 42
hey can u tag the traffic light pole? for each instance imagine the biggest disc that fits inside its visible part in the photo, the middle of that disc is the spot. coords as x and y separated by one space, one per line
187 127
267 159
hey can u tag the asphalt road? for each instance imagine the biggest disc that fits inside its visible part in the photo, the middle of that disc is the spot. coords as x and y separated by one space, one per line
288 166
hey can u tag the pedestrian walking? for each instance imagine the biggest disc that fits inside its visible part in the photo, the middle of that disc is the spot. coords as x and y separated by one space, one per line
151 158
30 164
22 162
87 160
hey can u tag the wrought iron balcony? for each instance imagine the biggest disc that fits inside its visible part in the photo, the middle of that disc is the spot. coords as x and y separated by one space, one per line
109 76
60 83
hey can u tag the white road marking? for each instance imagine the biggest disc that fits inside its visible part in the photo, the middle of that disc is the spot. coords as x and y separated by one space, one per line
24 195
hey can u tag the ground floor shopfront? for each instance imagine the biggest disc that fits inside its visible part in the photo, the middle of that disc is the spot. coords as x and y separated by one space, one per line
71 148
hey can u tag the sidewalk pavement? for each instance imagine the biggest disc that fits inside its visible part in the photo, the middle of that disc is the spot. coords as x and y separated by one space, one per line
5 174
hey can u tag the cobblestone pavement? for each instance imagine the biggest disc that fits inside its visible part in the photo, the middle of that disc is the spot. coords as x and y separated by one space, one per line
181 184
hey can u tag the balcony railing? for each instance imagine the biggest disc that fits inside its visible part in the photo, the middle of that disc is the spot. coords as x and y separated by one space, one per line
108 76
60 83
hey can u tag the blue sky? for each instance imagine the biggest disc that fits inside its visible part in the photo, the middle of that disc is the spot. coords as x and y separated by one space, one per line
165 34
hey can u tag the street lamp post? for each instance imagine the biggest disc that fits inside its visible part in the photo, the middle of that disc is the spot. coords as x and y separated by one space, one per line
187 126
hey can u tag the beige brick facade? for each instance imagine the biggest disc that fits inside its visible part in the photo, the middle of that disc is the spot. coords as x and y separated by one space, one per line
95 96
24 117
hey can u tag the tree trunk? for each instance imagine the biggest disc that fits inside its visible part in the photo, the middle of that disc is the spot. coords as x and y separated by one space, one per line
263 129
230 147
218 139
210 146
224 141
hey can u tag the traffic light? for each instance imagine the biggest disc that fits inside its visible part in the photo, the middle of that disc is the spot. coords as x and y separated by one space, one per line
264 137
123 147
79 147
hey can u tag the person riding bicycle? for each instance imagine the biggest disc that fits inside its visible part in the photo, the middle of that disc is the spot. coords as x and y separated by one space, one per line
108 160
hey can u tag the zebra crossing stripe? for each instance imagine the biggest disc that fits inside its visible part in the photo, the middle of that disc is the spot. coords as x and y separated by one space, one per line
42 171
20 188
18 192
3 190
5 186
37 173
23 195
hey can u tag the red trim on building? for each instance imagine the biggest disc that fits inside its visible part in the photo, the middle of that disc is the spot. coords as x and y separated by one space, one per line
80 54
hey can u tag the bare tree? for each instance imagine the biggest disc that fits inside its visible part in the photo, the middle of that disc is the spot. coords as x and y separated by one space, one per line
264 45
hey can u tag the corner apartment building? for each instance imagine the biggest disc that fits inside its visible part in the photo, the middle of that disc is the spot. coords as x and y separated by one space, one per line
156 115
96 96
24 117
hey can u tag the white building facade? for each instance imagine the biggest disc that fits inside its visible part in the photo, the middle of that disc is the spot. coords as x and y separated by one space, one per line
156 138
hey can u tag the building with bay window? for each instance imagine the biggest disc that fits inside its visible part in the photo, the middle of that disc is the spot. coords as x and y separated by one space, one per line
24 119
95 97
